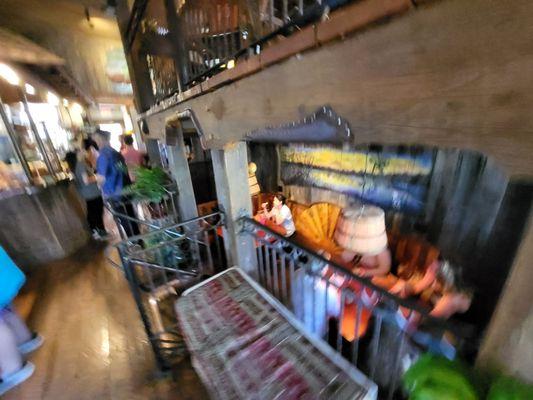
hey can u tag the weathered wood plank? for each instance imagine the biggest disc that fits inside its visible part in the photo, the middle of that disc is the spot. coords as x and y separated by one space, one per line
449 74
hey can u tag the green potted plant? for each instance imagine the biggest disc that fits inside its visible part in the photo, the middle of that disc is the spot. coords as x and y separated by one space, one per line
150 184
436 378
508 388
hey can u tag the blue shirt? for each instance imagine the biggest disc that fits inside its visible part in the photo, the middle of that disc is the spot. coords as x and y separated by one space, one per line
112 167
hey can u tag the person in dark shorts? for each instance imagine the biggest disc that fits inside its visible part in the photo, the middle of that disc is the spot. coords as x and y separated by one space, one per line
113 178
85 181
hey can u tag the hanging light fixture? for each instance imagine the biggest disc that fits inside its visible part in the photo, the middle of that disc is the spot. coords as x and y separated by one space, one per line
362 230
252 179
9 74
52 99
29 89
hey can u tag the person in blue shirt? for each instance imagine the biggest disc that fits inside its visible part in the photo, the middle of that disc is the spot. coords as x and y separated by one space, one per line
16 339
112 176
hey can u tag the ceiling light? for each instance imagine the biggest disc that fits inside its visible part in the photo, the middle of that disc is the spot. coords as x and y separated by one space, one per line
52 99
29 89
76 108
9 74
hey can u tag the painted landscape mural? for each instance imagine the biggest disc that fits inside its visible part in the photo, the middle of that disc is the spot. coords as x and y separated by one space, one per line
393 178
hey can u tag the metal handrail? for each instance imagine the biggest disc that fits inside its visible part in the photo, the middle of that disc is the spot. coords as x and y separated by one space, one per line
171 229
157 268
440 323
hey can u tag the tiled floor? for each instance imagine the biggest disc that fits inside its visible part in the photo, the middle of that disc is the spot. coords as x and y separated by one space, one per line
95 345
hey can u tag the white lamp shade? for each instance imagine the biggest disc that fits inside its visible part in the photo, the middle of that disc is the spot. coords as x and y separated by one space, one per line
362 230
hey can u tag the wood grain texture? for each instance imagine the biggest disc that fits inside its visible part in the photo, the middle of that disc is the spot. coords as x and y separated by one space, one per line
450 73
42 227
95 347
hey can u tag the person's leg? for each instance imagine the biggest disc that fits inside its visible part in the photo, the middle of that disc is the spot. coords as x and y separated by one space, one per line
122 223
18 327
13 369
92 213
127 220
10 358
131 213
99 214
27 341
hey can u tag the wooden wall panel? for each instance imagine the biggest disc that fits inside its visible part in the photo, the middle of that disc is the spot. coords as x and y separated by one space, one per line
451 73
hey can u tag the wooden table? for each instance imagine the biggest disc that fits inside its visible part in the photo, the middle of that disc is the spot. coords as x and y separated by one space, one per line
246 345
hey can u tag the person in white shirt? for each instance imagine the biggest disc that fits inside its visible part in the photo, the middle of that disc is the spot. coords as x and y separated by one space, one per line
280 214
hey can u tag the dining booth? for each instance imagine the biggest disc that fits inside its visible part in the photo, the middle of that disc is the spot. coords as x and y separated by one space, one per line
428 218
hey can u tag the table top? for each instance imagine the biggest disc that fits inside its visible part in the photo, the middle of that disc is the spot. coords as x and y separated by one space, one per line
246 345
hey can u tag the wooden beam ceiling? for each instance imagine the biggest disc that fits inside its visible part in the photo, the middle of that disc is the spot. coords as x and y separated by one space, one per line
16 48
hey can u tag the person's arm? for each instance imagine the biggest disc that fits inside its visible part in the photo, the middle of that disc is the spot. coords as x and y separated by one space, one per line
383 268
267 213
101 169
89 179
282 215
429 277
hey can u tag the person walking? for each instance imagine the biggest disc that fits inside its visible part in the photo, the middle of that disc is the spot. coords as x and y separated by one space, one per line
112 176
133 157
88 189
16 339
91 152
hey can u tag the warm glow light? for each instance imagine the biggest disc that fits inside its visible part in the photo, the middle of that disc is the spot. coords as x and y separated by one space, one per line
76 108
52 99
29 89
9 74
231 64
65 102
128 126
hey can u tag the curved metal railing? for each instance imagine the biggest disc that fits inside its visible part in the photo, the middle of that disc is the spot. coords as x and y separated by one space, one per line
374 329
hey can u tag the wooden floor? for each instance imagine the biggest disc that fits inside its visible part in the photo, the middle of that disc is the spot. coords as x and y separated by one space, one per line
95 345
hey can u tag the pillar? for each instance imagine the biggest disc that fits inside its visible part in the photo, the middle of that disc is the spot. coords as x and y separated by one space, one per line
230 167
152 148
179 168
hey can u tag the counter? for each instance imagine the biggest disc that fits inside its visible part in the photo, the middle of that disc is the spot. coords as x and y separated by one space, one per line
42 226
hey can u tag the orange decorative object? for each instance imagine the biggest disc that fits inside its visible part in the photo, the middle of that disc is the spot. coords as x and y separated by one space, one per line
348 323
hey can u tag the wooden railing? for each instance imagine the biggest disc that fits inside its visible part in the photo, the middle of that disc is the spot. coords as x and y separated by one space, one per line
183 43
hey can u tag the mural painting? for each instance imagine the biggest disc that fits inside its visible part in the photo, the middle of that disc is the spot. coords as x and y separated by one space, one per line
394 179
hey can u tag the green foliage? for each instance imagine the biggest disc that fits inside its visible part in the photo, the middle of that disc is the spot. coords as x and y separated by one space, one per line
437 378
149 184
507 388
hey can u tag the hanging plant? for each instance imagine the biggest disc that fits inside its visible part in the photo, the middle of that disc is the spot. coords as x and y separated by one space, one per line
150 184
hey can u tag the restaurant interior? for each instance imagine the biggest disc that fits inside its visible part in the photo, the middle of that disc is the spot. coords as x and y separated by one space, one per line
333 198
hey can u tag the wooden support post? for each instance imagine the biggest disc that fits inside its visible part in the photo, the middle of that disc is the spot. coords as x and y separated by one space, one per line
230 166
152 148
179 168
137 63
178 38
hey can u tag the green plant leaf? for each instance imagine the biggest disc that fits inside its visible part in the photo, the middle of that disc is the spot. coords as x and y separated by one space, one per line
507 388
432 374
149 184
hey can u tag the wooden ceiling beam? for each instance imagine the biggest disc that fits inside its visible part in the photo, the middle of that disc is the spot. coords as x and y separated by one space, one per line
18 49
